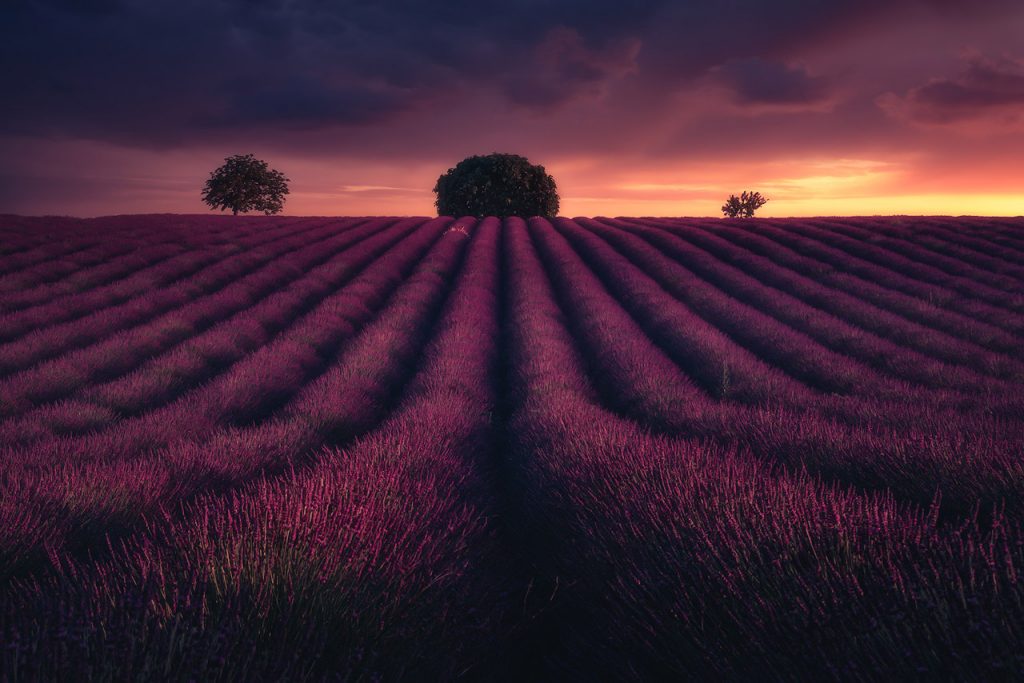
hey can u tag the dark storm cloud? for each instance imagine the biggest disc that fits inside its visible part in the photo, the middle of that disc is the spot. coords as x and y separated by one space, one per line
985 86
759 81
86 6
163 73
687 38
307 104
563 67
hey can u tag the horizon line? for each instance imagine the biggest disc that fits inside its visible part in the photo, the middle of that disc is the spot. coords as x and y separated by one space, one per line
430 217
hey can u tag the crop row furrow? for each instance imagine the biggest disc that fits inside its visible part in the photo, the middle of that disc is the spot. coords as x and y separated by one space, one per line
854 310
153 275
154 364
945 238
911 307
27 302
381 554
653 290
677 559
43 245
920 270
269 316
893 276
601 324
1004 234
824 326
92 250
791 350
189 451
22 236
130 246
155 270
48 270
101 357
926 452
202 280
953 263
272 374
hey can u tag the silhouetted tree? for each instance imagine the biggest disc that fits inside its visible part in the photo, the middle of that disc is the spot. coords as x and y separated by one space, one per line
245 183
496 185
743 206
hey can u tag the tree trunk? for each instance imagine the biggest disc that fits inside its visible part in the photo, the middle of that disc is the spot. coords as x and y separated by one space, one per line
234 212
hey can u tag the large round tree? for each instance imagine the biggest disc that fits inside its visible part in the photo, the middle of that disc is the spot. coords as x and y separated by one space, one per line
245 183
496 185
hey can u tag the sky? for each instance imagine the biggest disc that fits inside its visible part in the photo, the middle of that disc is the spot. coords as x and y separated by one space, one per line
645 108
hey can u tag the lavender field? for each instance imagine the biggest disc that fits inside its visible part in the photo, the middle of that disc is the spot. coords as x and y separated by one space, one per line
245 449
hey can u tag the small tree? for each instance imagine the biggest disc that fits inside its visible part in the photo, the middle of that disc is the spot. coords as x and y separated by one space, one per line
245 183
496 185
743 206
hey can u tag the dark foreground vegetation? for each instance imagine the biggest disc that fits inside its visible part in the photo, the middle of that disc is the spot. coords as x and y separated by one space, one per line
361 448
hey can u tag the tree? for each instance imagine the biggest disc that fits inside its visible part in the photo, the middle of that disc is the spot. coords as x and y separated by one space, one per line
743 206
245 183
496 185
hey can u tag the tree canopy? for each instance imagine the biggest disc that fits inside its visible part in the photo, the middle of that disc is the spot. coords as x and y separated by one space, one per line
496 185
743 206
245 183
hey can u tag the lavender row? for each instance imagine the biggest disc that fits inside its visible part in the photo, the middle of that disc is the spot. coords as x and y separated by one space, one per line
32 240
151 365
946 237
49 270
271 375
144 269
755 242
892 276
653 288
824 324
124 252
157 266
24 234
354 569
51 263
722 368
791 350
940 232
657 286
171 455
893 260
1003 232
971 457
49 342
888 327
681 560
949 260
57 247
23 303
71 357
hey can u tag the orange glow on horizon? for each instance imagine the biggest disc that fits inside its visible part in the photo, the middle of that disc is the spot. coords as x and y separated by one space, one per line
913 205
798 188
589 186
909 204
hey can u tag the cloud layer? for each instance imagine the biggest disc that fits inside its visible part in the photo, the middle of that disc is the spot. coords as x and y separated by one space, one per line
655 86
985 87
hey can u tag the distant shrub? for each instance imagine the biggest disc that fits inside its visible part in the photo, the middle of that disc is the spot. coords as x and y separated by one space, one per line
496 185
743 206
245 183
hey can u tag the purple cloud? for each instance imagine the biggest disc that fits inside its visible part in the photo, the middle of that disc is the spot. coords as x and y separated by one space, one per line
984 87
760 81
